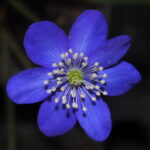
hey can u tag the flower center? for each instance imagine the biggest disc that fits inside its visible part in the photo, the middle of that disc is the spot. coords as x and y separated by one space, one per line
75 77
76 80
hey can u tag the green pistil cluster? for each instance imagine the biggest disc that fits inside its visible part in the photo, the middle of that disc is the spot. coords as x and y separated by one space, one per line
75 77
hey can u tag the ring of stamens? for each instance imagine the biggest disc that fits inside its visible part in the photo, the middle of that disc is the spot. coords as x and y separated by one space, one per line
76 80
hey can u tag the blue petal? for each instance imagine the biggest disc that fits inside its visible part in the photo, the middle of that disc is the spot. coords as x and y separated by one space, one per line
27 86
54 119
121 78
44 42
88 31
96 121
111 51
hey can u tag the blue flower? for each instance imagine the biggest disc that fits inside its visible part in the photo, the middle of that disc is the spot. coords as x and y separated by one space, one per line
76 73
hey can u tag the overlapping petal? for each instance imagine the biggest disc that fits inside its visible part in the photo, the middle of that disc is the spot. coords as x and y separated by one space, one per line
44 42
28 86
88 31
54 119
111 51
121 78
96 121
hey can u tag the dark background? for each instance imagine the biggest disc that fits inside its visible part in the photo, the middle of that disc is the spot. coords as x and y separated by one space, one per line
130 112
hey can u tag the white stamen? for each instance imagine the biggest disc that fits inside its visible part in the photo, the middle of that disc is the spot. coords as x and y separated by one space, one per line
61 64
68 106
102 81
74 105
59 82
46 82
50 73
66 54
75 56
82 95
98 93
94 75
73 93
81 54
97 87
53 89
105 93
63 88
59 78
56 71
100 68
84 109
70 50
93 99
56 100
64 99
85 58
104 75
54 65
62 55
96 63
84 64
68 61
49 91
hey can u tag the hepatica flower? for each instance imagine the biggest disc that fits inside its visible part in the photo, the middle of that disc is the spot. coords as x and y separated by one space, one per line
76 73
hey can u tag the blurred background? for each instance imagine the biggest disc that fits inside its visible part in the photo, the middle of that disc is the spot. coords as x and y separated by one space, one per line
130 112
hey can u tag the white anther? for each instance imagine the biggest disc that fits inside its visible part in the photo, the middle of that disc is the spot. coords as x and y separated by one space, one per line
70 50
59 82
68 61
61 71
84 64
54 65
56 100
53 89
97 87
102 81
55 71
73 93
58 78
46 82
49 91
105 93
68 106
95 69
75 56
93 99
104 75
62 55
66 54
62 88
84 108
82 95
81 54
87 87
91 86
64 99
94 75
98 93
61 63
96 63
50 73
75 105
85 58
100 68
